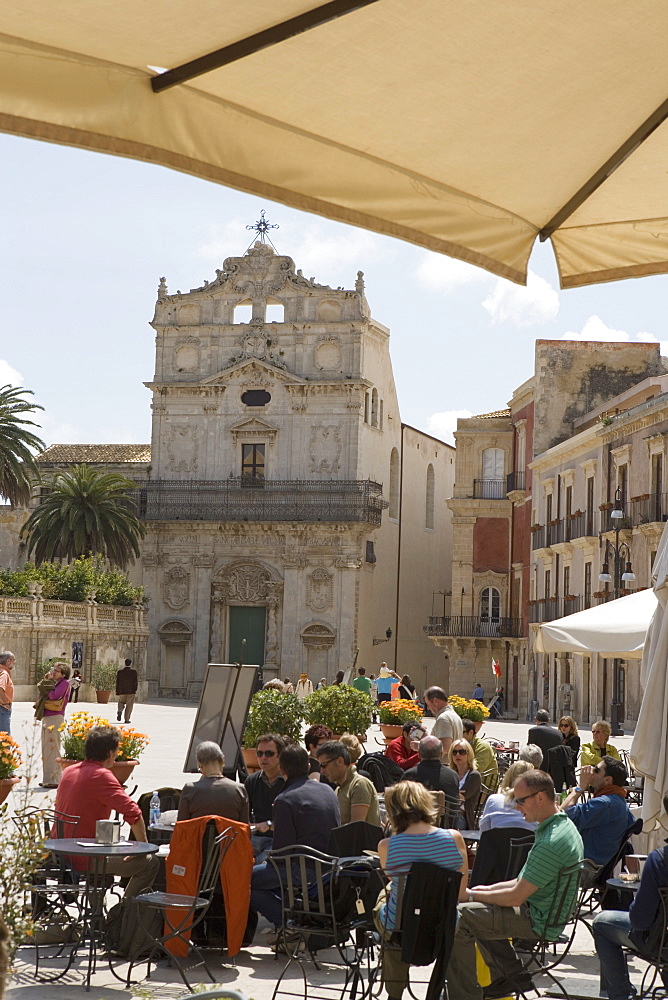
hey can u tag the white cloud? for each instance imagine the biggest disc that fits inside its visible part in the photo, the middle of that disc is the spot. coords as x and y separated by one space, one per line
9 375
442 425
596 329
438 273
530 305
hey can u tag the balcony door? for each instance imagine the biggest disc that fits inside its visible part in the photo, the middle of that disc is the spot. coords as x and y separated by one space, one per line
247 623
490 604
493 484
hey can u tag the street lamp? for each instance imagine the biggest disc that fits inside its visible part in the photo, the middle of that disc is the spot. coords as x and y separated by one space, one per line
619 557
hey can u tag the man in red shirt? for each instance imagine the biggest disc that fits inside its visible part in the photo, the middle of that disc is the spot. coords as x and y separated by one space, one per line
404 750
90 791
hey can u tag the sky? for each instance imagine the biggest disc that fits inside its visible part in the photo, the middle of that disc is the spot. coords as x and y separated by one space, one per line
87 236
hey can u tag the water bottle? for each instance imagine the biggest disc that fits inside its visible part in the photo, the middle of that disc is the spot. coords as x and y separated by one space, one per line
154 811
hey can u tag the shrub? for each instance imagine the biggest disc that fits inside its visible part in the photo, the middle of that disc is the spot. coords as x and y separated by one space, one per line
341 707
395 713
104 676
74 581
273 711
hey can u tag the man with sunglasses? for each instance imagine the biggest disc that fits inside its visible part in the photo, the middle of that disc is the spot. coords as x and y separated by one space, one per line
262 788
520 907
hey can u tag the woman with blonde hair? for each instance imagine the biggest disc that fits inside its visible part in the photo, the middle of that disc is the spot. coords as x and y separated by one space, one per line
462 761
415 837
594 752
570 737
499 809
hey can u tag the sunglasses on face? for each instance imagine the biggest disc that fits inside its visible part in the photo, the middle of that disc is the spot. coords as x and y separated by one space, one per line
455 752
266 753
523 799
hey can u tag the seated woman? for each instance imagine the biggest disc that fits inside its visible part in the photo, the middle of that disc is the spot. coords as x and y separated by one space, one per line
213 794
499 810
569 734
412 817
462 761
594 752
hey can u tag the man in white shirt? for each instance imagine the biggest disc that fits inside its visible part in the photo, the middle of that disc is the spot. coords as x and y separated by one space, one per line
448 725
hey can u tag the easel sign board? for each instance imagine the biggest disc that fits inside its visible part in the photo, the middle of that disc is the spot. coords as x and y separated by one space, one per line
223 707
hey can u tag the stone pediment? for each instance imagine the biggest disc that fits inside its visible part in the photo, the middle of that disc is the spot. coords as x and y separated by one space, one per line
254 428
253 373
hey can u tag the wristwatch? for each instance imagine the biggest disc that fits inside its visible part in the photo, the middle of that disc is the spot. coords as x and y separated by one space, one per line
470 896
578 789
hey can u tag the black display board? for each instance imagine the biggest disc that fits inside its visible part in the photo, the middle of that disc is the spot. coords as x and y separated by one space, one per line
221 714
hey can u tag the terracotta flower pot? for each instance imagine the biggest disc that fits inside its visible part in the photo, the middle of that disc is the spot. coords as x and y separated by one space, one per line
479 725
103 697
6 785
250 759
122 769
390 732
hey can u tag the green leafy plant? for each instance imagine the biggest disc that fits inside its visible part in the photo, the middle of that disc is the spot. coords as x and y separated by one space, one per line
395 713
273 711
104 676
341 707
75 581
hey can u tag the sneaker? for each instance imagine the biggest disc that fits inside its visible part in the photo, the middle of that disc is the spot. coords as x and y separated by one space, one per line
508 986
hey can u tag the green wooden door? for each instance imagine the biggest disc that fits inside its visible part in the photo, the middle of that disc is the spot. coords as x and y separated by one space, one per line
248 624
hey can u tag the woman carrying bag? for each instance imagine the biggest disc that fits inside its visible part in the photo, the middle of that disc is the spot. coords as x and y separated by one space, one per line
51 709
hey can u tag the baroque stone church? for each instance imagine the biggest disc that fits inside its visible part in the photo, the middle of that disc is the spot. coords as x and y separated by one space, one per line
285 502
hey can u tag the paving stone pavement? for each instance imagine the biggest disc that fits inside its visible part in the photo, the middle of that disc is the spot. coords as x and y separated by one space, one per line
255 970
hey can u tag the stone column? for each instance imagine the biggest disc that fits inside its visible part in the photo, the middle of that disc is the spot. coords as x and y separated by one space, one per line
272 656
219 599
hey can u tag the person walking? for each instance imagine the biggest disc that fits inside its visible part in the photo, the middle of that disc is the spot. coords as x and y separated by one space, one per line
304 687
127 682
7 662
52 721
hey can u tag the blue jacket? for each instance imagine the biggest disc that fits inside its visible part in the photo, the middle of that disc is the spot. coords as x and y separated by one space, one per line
305 812
602 822
645 906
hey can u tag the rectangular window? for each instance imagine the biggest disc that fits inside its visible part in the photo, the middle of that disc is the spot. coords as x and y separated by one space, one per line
548 585
656 499
567 580
549 529
590 506
252 464
587 585
568 501
623 481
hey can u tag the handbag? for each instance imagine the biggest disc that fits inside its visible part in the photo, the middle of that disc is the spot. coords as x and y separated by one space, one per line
54 706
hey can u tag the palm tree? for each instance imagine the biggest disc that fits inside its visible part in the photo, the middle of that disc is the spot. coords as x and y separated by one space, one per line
85 511
17 444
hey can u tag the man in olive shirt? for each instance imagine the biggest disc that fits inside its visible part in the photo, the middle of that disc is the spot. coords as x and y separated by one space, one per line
485 758
356 794
518 908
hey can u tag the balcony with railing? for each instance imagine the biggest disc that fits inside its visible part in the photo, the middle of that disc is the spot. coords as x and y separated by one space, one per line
579 525
489 489
474 625
268 500
515 481
555 607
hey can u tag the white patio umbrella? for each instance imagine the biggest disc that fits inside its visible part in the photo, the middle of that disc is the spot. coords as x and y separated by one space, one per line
616 629
469 128
649 750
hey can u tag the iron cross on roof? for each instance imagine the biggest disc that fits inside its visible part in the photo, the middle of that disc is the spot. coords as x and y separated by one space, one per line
262 227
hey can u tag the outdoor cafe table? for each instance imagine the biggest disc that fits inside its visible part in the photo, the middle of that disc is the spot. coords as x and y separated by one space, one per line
93 917
472 835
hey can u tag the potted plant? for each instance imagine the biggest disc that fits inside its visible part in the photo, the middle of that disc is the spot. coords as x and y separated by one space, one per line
393 715
342 708
10 760
75 731
104 680
271 711
469 708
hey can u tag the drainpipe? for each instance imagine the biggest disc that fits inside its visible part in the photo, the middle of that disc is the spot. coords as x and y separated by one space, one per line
401 505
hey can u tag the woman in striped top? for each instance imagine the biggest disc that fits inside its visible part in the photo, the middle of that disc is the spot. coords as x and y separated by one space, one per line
411 814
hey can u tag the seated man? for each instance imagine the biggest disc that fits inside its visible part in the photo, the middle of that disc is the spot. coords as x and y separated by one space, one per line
357 796
615 930
90 791
262 788
518 908
435 775
485 757
605 818
403 749
305 812
213 794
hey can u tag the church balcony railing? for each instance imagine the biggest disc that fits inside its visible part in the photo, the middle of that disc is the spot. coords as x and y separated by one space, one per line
489 489
474 625
272 500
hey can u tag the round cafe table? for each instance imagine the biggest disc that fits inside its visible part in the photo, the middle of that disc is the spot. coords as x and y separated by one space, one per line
86 847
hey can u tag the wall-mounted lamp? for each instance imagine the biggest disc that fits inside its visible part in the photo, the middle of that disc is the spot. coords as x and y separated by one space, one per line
388 636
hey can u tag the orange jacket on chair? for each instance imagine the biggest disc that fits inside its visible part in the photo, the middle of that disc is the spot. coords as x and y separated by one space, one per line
184 864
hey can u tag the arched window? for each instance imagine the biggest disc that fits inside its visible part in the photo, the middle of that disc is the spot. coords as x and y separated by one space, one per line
394 484
429 499
374 407
243 311
490 604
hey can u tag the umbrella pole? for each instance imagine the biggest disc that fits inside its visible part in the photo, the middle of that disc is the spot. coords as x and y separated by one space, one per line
614 702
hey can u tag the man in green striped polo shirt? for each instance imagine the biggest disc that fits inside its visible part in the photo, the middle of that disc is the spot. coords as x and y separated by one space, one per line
519 908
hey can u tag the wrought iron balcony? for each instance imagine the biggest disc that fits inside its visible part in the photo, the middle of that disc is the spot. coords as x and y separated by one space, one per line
269 500
566 529
515 481
648 509
472 625
489 489
557 607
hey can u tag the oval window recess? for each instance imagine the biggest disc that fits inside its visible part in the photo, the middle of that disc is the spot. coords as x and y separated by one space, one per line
256 397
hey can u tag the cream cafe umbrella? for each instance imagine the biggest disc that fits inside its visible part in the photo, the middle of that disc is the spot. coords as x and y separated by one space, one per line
649 750
472 128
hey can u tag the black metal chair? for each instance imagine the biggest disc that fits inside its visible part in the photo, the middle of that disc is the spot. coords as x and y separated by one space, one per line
500 855
326 902
191 911
352 839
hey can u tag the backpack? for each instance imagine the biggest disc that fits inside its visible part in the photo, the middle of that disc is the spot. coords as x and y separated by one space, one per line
382 771
127 934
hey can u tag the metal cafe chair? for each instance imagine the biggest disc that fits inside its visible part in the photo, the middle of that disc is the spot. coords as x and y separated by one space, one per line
191 911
